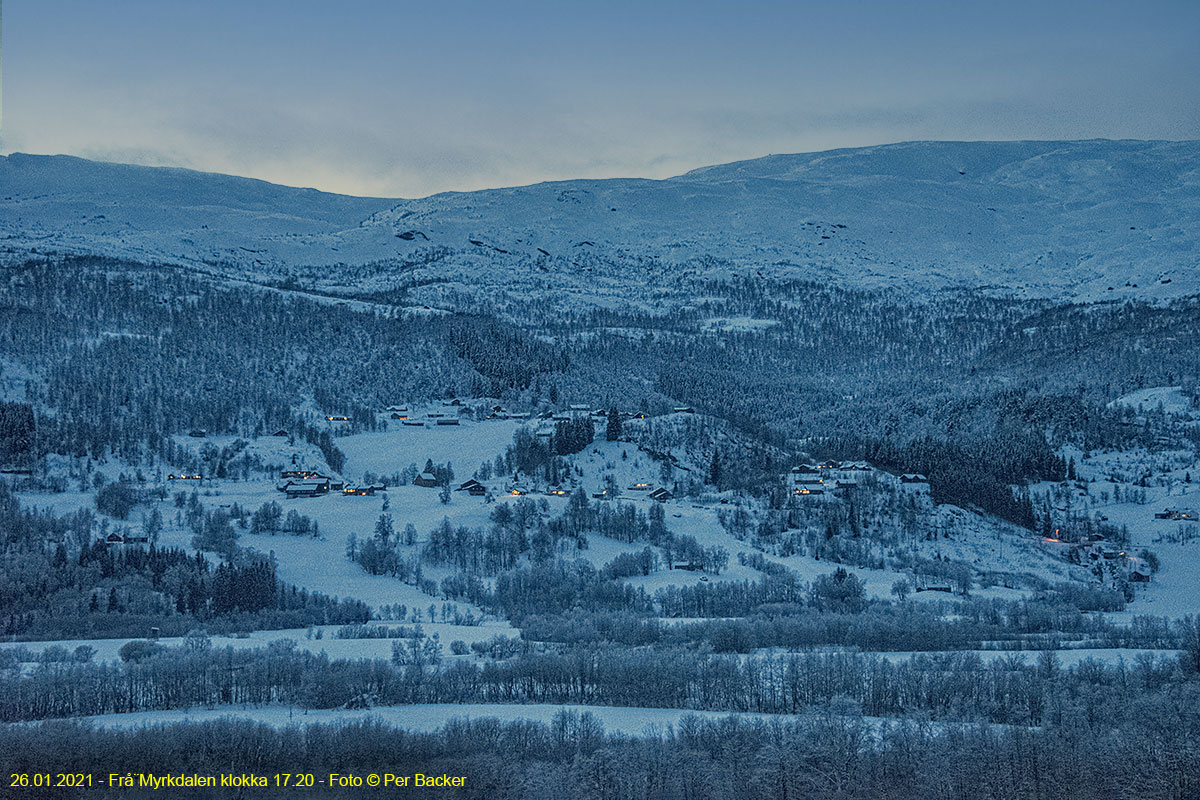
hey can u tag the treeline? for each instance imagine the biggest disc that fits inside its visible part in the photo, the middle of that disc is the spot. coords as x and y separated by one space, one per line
57 581
944 686
17 430
502 354
146 352
830 754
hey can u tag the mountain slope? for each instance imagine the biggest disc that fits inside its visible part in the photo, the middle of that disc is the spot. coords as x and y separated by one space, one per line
1058 219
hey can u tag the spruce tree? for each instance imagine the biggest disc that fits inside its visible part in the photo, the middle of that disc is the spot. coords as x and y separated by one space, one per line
612 431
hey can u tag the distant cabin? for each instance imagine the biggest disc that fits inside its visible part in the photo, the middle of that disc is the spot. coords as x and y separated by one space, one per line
416 423
359 491
280 432
639 487
114 538
198 433
399 415
601 495
338 418
661 495
557 491
448 421
473 488
684 410
425 479
185 477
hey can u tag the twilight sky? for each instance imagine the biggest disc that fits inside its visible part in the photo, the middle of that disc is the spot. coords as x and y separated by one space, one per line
407 99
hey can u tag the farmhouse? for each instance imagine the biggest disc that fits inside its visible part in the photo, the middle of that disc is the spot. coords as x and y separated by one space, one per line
304 487
1177 514
809 483
300 473
425 479
661 495
473 488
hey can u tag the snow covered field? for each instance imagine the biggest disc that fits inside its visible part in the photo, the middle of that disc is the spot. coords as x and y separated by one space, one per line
465 446
615 719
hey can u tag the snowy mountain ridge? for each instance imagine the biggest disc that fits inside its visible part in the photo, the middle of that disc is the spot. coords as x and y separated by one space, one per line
1086 220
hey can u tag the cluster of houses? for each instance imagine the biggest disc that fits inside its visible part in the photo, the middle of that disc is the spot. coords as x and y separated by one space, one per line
837 478
450 412
477 489
1176 514
308 483
446 414
1102 555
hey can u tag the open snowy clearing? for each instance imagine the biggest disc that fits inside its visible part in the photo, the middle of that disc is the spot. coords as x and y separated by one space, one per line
466 446
427 718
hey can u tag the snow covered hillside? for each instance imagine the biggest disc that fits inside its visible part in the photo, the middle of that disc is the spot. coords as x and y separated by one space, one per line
1086 220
